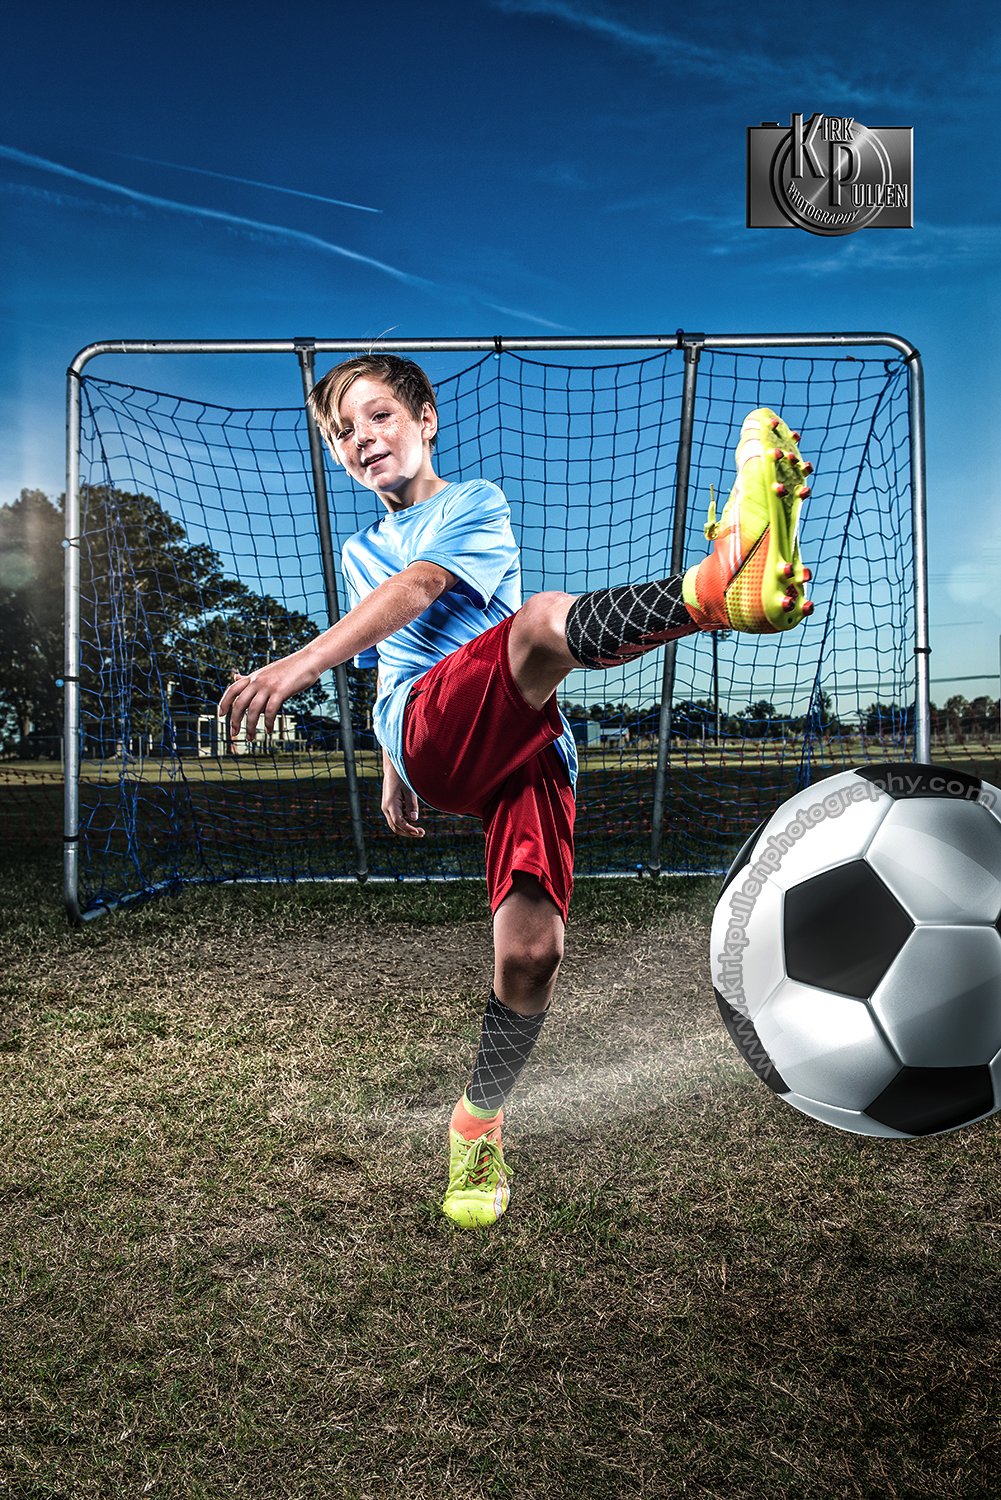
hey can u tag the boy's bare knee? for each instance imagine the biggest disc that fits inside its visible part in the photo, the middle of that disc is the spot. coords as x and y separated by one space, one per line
528 946
535 961
542 619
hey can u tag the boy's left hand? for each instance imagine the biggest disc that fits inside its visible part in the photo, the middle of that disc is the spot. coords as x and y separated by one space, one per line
399 805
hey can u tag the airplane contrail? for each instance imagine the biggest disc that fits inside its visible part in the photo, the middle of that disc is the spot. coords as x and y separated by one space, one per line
271 187
171 205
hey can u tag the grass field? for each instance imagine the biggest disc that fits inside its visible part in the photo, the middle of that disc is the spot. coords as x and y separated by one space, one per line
209 820
227 1273
847 751
268 769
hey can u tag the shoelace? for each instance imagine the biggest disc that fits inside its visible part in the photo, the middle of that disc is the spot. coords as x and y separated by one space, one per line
710 528
483 1158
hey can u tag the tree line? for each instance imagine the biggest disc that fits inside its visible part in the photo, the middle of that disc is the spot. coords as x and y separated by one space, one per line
691 718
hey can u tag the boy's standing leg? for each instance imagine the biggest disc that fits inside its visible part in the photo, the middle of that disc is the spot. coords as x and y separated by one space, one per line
528 950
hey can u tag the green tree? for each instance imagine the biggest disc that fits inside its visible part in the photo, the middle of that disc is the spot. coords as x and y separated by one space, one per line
957 715
31 614
820 720
760 721
887 719
247 630
160 620
824 718
693 718
984 713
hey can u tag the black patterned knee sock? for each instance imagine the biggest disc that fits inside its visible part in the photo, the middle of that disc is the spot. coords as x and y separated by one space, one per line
505 1043
613 625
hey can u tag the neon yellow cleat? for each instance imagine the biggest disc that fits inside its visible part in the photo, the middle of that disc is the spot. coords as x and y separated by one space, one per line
753 578
478 1180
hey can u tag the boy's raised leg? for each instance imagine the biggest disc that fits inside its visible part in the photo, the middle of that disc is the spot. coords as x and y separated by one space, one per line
752 580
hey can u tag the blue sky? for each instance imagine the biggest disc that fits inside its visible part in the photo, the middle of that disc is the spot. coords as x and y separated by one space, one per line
496 166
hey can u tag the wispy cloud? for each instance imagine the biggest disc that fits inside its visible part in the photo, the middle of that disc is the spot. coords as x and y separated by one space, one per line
661 201
737 64
926 247
929 247
269 187
660 46
54 198
560 174
256 227
517 312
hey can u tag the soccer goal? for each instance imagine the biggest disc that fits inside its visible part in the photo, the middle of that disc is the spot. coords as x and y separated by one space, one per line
203 538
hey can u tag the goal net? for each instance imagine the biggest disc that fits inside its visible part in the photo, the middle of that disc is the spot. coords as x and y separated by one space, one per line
201 555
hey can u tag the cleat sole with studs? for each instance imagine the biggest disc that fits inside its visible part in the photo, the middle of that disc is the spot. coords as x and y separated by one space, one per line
753 580
784 490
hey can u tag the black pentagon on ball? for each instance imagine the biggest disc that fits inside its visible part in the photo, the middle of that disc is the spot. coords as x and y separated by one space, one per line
749 1045
902 779
842 930
742 857
923 1101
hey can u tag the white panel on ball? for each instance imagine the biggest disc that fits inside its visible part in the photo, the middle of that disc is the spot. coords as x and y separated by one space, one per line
941 859
940 1003
996 1075
826 1047
844 1119
990 800
746 976
824 825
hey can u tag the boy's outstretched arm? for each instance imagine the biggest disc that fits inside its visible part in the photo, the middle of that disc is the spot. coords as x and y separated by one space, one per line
390 606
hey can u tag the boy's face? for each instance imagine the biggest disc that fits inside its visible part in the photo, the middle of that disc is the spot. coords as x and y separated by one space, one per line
382 444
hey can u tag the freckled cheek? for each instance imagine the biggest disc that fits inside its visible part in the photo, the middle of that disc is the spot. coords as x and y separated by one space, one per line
408 443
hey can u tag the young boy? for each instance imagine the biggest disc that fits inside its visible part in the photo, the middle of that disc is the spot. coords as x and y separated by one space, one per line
466 708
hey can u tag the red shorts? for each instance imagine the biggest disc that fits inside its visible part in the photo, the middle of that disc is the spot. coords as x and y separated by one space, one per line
473 745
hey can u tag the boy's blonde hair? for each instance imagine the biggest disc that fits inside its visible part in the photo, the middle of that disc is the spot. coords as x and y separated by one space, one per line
405 379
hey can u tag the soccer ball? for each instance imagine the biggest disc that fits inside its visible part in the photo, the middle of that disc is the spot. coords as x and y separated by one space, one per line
856 950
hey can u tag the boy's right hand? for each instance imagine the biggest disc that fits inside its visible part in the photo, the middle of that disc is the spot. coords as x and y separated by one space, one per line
399 805
262 693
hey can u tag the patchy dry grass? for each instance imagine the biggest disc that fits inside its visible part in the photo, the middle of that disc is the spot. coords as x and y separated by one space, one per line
227 1274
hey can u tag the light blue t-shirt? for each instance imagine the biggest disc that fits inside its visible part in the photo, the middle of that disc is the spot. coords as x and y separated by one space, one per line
465 528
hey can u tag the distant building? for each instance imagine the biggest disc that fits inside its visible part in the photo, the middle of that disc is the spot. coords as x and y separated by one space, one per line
585 731
208 735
